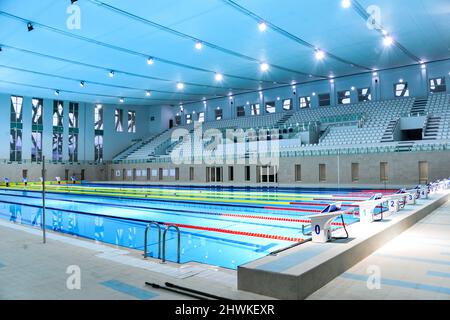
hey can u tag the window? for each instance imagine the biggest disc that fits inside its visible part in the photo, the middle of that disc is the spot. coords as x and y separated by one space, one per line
298 173
384 176
247 173
355 172
240 111
118 116
305 102
324 99
36 129
16 129
437 85
188 119
73 131
401 89
201 117
423 172
98 117
364 94
98 128
191 173
230 173
344 97
270 107
287 104
58 129
177 120
255 109
132 121
177 174
98 145
218 114
322 172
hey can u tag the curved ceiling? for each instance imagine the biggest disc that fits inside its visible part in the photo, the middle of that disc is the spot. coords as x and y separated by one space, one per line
121 36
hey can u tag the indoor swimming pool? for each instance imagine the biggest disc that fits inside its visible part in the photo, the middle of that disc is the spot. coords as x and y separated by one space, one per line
220 227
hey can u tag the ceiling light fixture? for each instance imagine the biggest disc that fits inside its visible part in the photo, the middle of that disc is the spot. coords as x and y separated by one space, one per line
56 92
111 74
264 66
388 41
262 26
218 77
320 55
346 4
180 86
121 100
198 45
82 84
148 93
150 61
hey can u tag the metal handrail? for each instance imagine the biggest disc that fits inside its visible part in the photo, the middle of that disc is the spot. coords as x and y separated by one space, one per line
164 242
146 240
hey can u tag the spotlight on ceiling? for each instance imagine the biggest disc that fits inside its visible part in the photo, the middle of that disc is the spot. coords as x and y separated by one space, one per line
148 93
320 55
73 1
264 66
218 77
150 61
1 49
30 26
82 84
346 4
262 26
121 100
388 41
198 45
111 74
180 85
56 92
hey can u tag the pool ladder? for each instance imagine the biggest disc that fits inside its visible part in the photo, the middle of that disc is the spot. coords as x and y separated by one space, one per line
158 225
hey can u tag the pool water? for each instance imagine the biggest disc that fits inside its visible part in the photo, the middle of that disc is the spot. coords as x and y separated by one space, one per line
221 227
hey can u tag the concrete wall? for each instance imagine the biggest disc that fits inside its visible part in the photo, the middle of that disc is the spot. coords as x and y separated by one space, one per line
403 169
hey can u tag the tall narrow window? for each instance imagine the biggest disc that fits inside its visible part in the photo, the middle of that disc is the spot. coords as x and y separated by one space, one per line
324 99
255 109
322 172
270 107
36 129
240 111
58 129
73 131
201 117
305 102
16 129
177 120
384 174
355 172
218 114
132 121
98 139
364 94
401 89
437 85
423 172
230 173
191 173
298 173
188 119
118 116
344 97
247 173
287 104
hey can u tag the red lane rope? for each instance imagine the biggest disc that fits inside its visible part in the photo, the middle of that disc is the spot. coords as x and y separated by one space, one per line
274 218
241 233
293 209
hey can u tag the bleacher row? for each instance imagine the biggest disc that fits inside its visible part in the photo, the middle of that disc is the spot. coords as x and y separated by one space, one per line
373 120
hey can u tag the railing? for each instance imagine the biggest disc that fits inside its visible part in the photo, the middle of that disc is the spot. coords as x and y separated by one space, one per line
164 242
147 229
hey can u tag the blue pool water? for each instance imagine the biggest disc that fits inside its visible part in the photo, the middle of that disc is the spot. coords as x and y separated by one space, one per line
122 221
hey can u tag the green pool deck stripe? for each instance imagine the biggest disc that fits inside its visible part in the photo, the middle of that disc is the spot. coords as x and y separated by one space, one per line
130 290
399 283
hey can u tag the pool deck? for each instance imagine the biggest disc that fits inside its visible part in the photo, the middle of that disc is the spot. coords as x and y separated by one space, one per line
415 265
30 269
299 272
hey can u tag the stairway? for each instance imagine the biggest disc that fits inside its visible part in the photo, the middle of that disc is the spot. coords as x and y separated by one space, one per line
404 146
284 119
432 128
389 133
135 147
419 107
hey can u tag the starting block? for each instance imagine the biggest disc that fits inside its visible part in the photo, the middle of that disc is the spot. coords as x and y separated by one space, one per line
321 226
